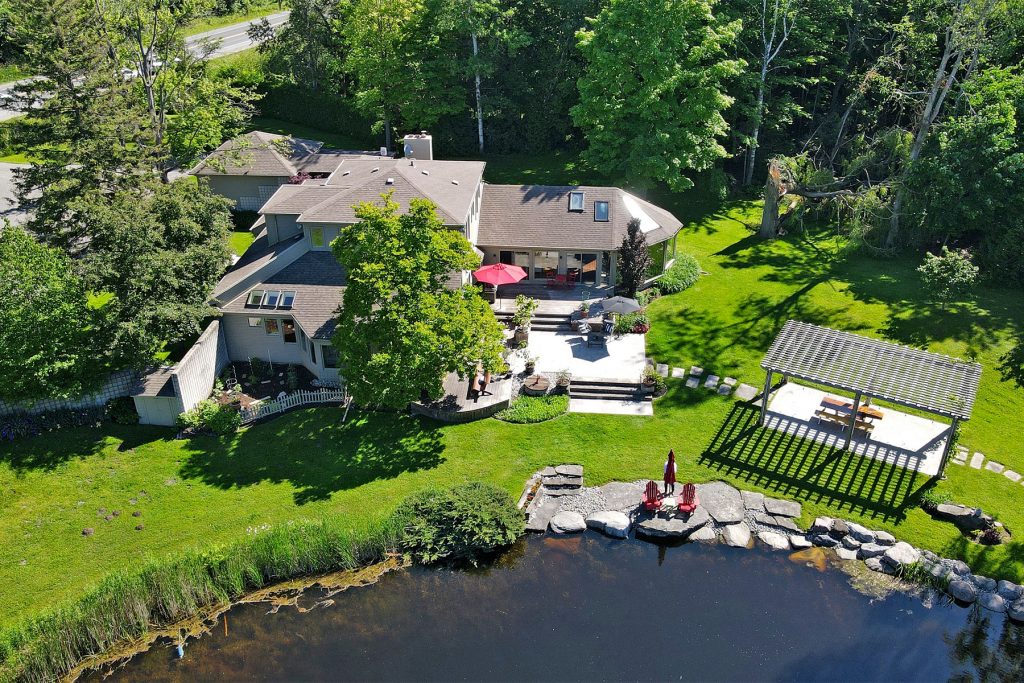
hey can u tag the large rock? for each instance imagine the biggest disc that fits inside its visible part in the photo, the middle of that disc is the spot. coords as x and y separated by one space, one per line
1009 590
723 502
676 526
1016 610
771 520
610 522
992 601
901 555
965 518
570 470
566 522
867 550
875 564
822 525
862 534
705 534
984 583
774 540
621 496
958 567
850 543
824 540
753 501
736 535
840 528
961 590
799 542
846 554
884 538
782 508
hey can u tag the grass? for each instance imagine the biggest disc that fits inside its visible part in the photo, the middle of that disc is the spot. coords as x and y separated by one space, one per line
333 140
12 72
240 241
307 465
533 409
261 9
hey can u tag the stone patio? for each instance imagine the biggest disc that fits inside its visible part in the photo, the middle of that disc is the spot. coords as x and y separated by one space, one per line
622 359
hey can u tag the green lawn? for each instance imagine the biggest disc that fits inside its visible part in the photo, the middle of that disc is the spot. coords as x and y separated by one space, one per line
11 72
304 465
260 9
240 241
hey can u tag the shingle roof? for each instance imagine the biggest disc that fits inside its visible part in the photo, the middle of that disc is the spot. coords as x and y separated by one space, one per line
257 154
155 382
259 256
318 281
451 185
294 199
538 216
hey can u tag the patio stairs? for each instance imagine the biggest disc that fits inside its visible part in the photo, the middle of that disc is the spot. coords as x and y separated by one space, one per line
607 390
542 322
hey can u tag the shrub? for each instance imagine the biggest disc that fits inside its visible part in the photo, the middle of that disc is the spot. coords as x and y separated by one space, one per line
637 323
21 425
460 524
122 411
261 369
530 409
291 377
210 416
647 296
683 273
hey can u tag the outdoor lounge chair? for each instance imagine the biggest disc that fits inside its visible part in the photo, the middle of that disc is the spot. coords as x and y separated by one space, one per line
652 497
689 501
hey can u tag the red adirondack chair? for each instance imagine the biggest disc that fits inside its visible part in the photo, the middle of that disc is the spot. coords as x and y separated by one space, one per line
652 497
688 502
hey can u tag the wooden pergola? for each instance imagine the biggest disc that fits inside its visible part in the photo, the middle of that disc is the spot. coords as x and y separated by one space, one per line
873 368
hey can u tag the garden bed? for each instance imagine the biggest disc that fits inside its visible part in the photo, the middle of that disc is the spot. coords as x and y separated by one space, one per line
243 383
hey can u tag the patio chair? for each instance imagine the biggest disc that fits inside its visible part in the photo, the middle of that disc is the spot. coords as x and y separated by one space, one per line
558 281
596 339
689 501
652 497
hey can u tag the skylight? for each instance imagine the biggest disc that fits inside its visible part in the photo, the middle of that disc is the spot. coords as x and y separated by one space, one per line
255 298
600 211
287 299
271 298
576 201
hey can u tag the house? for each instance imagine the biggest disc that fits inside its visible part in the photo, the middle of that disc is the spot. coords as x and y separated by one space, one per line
279 301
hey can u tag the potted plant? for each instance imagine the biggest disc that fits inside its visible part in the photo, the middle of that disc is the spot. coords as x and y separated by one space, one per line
649 379
564 378
582 312
531 364
523 317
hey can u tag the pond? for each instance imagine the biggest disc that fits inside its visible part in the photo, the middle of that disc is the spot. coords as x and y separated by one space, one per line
590 608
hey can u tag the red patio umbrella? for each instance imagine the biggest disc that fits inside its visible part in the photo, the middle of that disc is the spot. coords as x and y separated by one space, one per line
670 470
499 274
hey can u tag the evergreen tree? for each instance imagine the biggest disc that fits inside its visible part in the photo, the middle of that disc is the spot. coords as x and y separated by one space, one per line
634 258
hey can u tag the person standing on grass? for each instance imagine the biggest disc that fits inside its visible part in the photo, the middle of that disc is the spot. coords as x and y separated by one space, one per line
670 472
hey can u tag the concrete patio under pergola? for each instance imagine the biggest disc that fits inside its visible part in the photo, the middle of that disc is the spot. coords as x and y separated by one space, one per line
868 369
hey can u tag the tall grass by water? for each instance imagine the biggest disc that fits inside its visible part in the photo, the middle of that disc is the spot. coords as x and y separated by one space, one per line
128 604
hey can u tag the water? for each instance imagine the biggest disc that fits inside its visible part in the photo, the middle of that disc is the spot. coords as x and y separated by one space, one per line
589 608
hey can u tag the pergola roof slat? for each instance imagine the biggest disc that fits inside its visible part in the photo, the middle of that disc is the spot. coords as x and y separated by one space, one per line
919 379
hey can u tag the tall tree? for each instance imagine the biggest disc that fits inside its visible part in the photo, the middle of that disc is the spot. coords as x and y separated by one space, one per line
634 258
653 92
48 346
400 330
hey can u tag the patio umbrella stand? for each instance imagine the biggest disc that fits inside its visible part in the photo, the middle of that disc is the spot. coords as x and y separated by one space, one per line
499 274
620 304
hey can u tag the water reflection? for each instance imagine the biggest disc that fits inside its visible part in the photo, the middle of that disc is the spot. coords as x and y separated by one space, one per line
588 608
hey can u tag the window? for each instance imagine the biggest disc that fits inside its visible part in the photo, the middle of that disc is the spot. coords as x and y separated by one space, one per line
601 211
302 339
255 322
312 352
317 236
288 325
576 201
271 326
330 356
271 298
255 298
287 299
657 252
515 258
545 264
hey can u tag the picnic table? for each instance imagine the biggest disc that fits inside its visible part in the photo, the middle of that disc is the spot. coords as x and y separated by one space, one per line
840 412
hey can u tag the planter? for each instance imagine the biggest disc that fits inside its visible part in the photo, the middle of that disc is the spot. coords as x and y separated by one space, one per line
648 387
521 336
530 367
536 385
562 386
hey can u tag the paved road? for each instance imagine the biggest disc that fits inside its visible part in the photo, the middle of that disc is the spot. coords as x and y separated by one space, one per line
8 204
231 39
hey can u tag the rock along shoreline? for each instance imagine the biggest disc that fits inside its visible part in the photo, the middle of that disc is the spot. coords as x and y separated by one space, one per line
556 500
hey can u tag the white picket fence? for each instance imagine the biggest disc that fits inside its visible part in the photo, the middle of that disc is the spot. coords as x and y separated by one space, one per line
262 409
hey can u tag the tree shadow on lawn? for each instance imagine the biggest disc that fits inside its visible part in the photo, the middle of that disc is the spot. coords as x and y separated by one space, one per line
50 450
809 470
318 456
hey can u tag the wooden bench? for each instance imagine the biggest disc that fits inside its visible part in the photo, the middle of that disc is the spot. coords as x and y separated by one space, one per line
859 425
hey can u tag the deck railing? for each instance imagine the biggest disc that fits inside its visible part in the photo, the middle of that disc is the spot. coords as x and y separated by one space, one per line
264 409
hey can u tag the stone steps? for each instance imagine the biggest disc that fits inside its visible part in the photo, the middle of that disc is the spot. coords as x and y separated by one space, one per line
607 390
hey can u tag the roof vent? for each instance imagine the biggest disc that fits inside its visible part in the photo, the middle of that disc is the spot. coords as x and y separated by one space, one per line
374 169
389 181
345 172
455 182
412 161
425 172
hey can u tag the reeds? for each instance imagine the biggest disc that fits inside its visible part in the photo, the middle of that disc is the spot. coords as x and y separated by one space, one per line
127 604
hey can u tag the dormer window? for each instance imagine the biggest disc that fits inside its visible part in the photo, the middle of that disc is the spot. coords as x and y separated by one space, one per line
255 298
287 299
271 298
601 211
576 201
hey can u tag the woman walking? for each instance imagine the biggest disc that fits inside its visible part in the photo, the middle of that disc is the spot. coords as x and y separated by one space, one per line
670 472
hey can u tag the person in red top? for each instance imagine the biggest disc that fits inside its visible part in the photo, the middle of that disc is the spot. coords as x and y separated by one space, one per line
670 472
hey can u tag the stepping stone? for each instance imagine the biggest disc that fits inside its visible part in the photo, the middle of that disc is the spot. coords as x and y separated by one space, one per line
621 496
570 470
696 370
539 519
993 466
674 527
662 369
722 502
711 382
724 389
731 381
704 535
958 461
782 508
753 501
561 480
745 392
977 460
678 373
693 382
560 492
548 471
1012 476
771 520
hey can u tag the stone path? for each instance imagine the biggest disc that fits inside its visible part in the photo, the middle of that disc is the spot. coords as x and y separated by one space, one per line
979 462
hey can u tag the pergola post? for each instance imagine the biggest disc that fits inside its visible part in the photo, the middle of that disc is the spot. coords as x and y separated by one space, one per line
948 447
764 397
853 421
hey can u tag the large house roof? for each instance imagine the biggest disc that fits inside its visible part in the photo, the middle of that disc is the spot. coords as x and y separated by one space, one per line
318 281
538 216
270 155
451 185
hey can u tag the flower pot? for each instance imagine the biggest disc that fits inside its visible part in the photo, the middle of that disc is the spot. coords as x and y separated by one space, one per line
522 336
530 368
647 387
